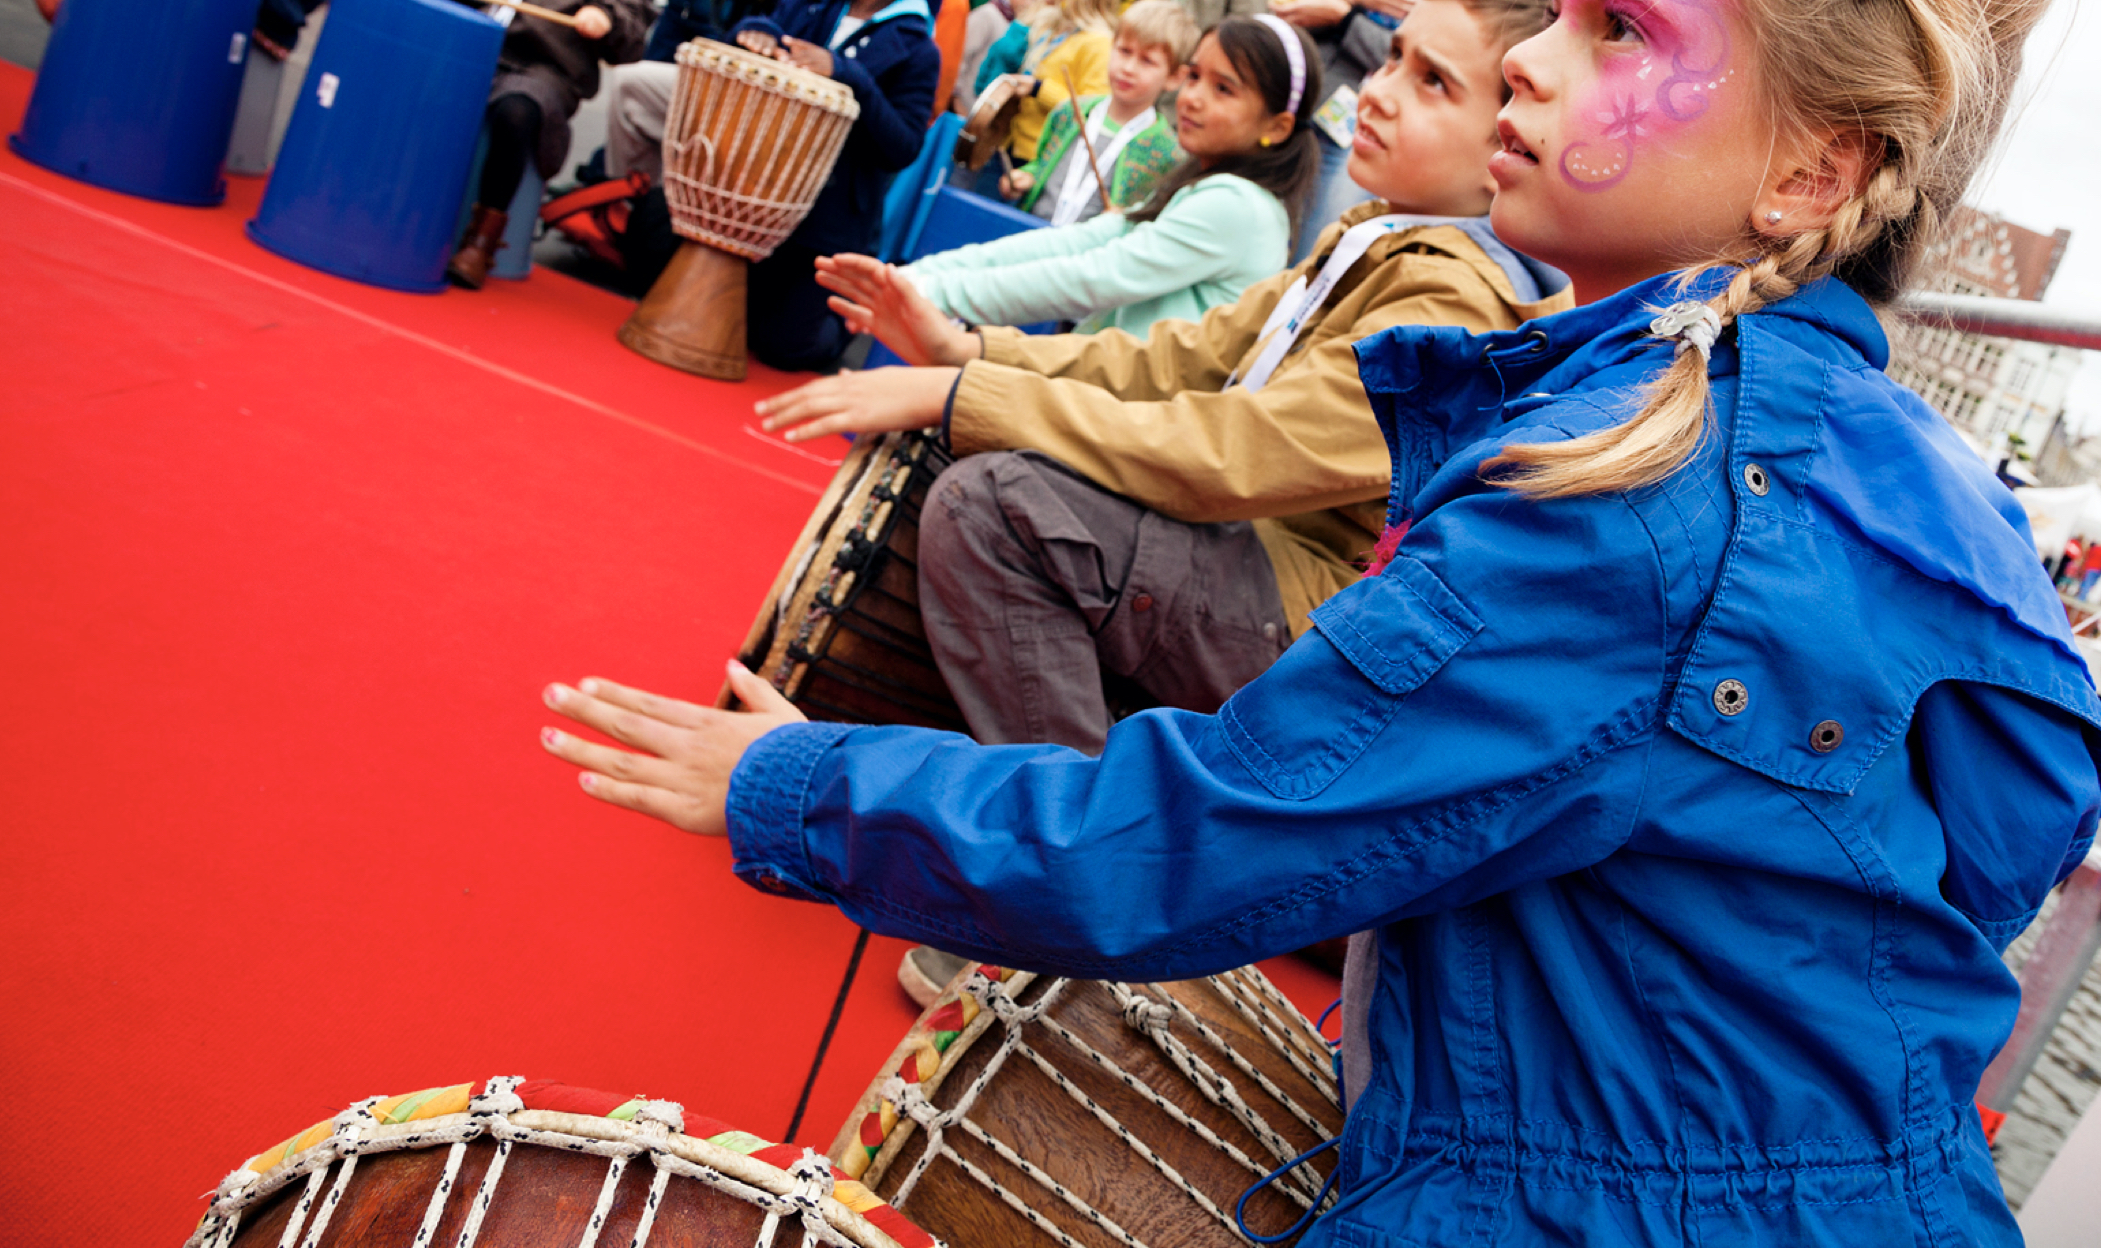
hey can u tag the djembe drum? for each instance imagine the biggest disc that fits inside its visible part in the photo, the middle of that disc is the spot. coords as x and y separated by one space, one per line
508 1162
748 144
1031 1110
840 633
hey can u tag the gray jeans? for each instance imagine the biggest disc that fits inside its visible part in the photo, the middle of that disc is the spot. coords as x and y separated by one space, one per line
1035 582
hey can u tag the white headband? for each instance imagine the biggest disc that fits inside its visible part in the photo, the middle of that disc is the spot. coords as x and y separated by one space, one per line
1293 53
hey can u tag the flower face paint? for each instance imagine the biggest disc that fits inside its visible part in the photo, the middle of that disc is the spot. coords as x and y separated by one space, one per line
1634 141
1669 57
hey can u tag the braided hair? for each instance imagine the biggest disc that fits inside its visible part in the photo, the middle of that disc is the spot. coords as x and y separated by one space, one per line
1922 86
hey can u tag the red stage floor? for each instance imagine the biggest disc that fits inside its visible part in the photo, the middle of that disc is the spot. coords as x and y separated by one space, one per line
286 563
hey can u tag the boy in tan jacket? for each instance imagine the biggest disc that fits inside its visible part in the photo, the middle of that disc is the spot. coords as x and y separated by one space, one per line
1170 510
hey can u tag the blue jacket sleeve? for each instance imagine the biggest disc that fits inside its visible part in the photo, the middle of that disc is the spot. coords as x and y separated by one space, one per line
1476 717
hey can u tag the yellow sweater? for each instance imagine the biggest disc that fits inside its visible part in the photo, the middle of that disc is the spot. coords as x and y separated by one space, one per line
1086 54
1302 457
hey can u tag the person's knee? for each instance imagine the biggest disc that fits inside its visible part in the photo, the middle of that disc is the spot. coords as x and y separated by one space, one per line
961 516
514 116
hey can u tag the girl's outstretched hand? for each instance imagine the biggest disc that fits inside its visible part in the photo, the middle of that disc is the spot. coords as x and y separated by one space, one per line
877 299
679 766
880 400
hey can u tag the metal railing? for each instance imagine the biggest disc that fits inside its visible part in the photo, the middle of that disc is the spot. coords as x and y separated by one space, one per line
2050 977
2003 318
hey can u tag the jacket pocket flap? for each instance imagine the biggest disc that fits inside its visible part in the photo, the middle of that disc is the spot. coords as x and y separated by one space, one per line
1397 628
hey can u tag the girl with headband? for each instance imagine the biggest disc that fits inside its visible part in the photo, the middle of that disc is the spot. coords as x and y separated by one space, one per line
1220 221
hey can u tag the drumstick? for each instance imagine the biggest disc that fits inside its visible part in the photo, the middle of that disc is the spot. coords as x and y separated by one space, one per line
1101 183
534 10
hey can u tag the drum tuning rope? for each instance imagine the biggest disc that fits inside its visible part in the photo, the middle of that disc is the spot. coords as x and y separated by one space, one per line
656 1132
1154 1018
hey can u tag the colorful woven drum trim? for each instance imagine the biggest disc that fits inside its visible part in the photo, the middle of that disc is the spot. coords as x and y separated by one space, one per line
936 1031
545 1094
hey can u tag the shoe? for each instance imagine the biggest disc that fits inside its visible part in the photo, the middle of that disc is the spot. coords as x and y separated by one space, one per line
925 971
595 216
485 233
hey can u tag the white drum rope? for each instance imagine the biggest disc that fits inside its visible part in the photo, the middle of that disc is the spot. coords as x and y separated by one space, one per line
1152 1018
500 1115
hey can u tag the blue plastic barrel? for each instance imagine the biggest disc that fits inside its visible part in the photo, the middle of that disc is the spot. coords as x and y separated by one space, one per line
139 95
369 178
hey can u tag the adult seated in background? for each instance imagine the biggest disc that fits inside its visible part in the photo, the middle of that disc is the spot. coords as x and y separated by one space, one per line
1170 509
884 51
1128 135
1221 221
695 19
543 73
1353 40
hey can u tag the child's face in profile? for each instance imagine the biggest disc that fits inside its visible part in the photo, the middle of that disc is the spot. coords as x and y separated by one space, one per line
1427 118
1635 141
1138 72
1219 113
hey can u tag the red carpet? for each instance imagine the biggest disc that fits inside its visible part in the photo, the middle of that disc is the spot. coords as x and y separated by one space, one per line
286 562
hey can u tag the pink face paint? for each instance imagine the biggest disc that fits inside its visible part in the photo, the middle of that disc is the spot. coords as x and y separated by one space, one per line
1629 103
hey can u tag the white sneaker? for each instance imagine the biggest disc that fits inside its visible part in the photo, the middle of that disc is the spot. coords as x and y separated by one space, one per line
925 970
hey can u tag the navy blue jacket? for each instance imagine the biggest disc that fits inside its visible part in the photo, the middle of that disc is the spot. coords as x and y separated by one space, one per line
892 65
1691 820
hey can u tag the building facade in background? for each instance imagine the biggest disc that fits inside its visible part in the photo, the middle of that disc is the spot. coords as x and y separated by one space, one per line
2009 396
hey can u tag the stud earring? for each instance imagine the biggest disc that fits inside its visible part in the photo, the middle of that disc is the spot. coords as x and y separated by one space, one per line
1773 218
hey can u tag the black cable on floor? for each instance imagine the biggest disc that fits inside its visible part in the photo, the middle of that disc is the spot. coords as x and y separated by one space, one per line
824 1042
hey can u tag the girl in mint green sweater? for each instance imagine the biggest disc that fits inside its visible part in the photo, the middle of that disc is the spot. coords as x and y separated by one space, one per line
1220 222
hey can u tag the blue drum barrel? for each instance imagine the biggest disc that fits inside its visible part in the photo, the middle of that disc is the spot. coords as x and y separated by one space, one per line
138 95
369 178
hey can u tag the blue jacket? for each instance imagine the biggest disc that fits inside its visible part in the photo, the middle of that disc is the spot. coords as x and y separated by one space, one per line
892 66
1648 972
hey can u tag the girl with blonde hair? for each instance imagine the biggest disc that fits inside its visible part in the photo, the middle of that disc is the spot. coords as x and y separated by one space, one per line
1705 735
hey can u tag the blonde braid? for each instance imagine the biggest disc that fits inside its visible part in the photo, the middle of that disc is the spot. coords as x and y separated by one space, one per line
1674 420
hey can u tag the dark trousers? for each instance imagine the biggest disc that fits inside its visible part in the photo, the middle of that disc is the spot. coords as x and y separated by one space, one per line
1035 582
787 323
514 135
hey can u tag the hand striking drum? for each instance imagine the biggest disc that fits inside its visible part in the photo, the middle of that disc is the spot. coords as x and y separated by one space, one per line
748 145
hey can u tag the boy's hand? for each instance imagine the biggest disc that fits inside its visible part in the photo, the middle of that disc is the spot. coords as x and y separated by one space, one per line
683 754
1396 9
1016 184
1311 14
877 299
811 56
758 41
880 400
592 22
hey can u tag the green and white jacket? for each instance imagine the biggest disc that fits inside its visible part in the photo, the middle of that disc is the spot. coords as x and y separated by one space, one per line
1140 166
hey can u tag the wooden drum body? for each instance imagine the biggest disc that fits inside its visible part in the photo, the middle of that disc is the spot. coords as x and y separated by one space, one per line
748 144
1030 1110
840 633
510 1162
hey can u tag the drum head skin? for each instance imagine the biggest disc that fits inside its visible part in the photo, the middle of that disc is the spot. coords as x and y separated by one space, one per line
510 1161
992 118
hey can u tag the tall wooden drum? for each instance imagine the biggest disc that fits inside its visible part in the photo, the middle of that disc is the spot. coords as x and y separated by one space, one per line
748 144
1034 1112
516 1163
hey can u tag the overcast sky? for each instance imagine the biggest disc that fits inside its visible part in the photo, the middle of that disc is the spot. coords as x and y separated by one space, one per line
2047 173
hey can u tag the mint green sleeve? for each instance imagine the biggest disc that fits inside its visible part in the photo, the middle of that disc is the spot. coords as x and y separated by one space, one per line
1073 272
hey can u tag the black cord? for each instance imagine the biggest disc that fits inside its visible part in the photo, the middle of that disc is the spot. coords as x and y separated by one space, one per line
839 1006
